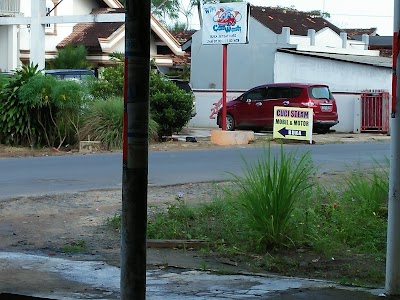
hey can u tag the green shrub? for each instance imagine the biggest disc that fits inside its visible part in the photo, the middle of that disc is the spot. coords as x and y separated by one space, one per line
54 107
110 84
266 194
179 220
103 121
170 106
71 57
3 80
15 125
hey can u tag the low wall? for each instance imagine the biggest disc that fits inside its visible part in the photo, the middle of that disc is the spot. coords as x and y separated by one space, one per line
205 107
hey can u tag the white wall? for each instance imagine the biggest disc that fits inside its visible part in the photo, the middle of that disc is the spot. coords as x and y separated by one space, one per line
339 75
248 64
204 106
3 49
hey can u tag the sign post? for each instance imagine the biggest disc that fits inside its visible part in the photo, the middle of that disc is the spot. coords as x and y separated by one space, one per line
223 24
224 84
293 123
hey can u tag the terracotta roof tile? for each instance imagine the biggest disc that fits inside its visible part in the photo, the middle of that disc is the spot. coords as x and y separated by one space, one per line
88 35
299 22
360 31
181 59
182 36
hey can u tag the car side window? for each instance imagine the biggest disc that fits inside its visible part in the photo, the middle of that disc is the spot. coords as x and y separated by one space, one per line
256 94
296 92
279 92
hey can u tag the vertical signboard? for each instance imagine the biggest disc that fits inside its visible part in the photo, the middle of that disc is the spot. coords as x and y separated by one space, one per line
225 23
293 123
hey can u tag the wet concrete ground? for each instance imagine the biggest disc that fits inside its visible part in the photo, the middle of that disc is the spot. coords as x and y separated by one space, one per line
59 278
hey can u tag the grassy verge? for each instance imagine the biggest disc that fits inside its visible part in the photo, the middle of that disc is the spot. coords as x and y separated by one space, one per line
278 217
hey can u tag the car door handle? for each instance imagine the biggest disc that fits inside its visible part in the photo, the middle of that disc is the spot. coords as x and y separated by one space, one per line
259 103
285 102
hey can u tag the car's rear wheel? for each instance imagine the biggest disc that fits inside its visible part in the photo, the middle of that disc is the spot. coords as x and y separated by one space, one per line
322 129
230 122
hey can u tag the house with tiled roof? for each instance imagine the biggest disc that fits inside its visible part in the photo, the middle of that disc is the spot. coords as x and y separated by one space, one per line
286 45
354 32
101 39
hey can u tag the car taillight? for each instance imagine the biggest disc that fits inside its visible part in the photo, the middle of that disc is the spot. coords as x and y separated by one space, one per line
308 104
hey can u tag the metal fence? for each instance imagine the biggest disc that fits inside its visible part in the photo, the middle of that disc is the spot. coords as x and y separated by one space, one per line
9 7
375 111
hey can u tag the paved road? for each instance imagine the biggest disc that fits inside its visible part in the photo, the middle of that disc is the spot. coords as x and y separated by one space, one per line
57 174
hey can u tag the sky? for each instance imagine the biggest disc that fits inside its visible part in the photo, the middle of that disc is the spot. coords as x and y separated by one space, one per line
344 13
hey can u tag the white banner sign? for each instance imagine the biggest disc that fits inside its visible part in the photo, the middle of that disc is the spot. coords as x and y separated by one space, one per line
225 23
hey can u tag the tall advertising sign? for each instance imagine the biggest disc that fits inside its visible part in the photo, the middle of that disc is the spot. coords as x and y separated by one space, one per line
225 23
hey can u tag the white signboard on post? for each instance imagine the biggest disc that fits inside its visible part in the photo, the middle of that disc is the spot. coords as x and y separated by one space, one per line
293 123
225 23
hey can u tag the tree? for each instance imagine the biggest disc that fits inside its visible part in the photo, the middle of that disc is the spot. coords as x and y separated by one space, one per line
71 57
178 26
165 9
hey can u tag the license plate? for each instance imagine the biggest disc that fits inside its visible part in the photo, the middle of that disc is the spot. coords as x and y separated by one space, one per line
326 108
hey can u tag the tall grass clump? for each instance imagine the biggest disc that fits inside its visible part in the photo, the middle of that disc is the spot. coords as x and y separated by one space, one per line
266 193
368 189
355 216
103 121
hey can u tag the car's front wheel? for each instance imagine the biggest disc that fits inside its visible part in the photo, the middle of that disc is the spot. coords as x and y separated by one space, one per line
230 123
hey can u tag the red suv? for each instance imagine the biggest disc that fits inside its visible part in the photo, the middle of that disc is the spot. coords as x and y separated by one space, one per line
254 109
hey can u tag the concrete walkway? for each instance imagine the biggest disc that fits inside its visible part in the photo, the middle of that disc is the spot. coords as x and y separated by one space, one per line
58 278
329 138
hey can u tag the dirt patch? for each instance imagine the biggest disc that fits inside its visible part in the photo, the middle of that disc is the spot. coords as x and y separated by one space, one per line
50 224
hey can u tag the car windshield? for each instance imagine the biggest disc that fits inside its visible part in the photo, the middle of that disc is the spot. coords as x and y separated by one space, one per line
320 92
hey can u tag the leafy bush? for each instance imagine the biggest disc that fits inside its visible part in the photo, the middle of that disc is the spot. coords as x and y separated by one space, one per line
71 57
15 125
103 121
3 80
54 107
110 84
170 106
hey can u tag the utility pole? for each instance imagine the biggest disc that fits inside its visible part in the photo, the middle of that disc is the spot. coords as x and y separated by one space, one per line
392 285
135 150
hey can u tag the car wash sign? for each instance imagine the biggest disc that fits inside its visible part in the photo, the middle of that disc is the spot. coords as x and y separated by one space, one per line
293 123
225 23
